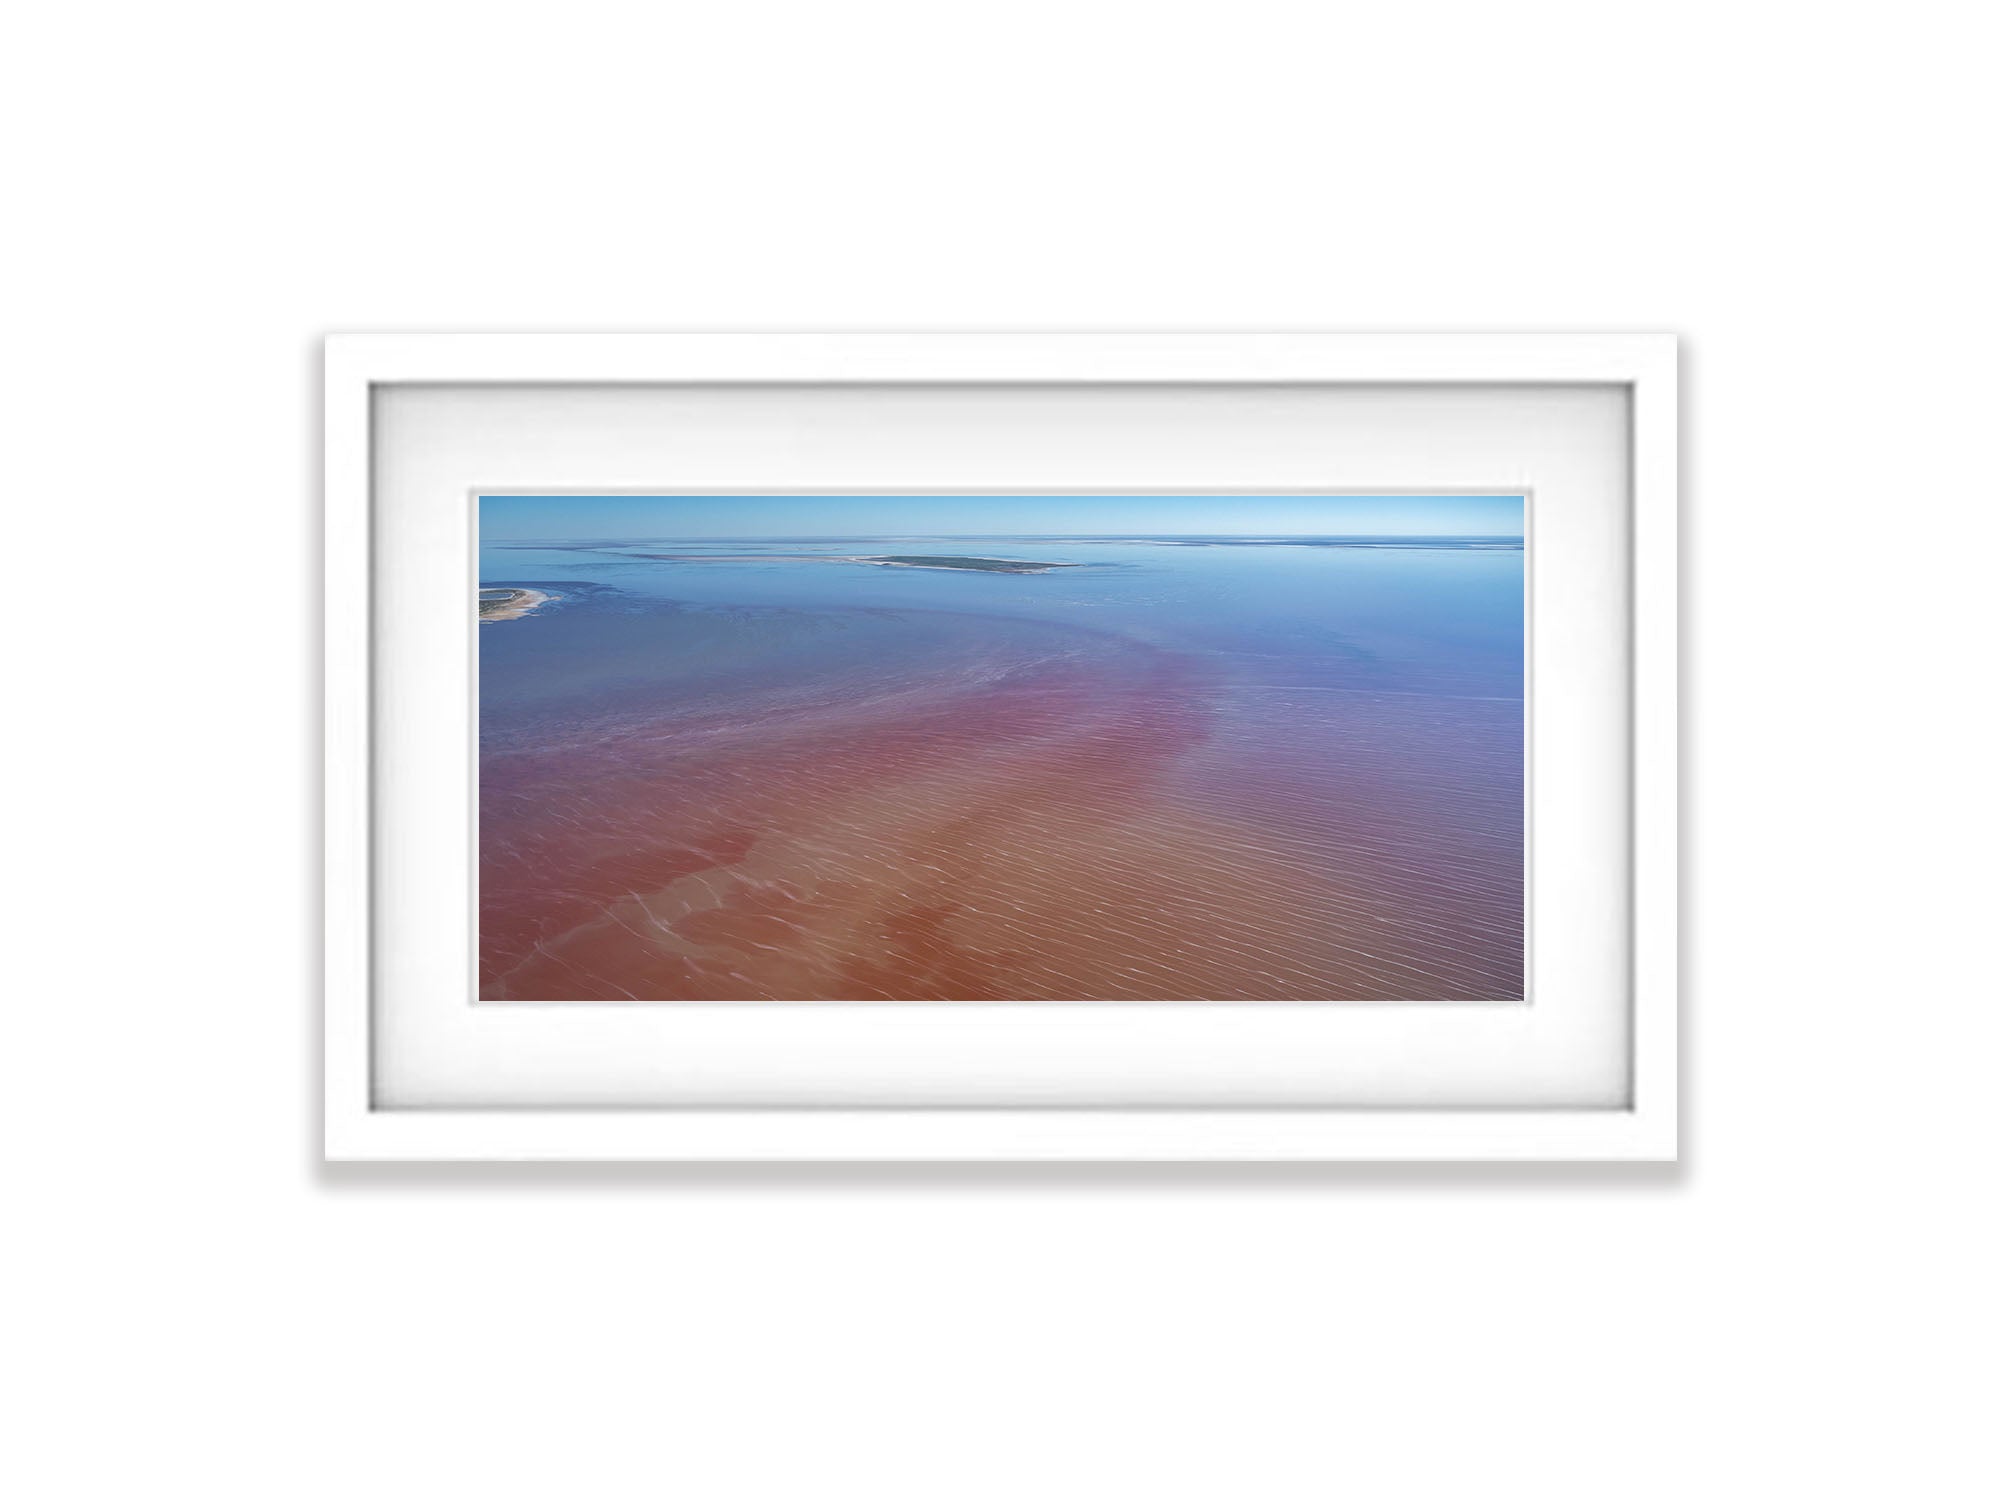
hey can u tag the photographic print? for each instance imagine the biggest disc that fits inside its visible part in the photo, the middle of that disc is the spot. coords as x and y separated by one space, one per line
975 747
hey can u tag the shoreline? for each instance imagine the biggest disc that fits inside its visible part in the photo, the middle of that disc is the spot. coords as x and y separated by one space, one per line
518 602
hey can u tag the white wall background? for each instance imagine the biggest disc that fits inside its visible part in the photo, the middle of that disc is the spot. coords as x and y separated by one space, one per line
199 190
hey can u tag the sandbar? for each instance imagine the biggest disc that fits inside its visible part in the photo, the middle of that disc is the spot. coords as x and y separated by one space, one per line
510 604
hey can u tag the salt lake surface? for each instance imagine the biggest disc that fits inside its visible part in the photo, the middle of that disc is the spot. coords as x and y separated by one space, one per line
1179 769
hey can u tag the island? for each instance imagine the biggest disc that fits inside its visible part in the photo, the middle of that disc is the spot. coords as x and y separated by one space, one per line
966 564
510 604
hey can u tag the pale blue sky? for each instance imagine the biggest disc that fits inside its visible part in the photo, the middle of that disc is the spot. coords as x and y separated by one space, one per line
603 517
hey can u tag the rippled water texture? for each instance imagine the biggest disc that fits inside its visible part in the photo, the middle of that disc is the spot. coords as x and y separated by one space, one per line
723 771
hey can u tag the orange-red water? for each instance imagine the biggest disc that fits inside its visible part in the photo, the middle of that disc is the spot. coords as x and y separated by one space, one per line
1007 813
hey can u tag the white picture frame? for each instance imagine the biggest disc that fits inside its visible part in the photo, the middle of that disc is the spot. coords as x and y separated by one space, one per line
361 1125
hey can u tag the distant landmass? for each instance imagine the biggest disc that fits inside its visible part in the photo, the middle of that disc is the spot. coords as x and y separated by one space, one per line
969 564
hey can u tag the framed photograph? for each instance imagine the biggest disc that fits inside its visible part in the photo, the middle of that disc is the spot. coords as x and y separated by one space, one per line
1000 747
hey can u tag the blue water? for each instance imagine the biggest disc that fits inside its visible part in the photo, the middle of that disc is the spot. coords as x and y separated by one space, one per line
1436 616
